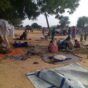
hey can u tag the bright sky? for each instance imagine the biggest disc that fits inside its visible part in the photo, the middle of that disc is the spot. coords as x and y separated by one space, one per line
82 10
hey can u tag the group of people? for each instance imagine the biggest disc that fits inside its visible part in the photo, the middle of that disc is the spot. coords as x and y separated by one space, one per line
54 45
66 44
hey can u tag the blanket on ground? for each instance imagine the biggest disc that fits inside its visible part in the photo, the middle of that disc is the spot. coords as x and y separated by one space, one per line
69 58
71 76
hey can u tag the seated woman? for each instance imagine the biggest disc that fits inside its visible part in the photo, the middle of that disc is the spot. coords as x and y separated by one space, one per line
53 48
77 44
24 35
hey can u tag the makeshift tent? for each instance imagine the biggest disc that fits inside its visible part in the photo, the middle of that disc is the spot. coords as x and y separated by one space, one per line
6 30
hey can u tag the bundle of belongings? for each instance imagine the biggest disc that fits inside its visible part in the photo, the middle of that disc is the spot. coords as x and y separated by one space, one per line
71 76
34 51
21 44
25 55
19 57
60 58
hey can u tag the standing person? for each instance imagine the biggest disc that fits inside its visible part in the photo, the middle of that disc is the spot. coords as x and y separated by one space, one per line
81 35
43 31
53 33
85 34
69 31
73 32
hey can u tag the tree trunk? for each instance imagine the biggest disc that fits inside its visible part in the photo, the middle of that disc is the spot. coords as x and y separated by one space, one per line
47 22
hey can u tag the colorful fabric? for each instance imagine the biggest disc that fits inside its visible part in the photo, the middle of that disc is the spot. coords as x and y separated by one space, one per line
53 48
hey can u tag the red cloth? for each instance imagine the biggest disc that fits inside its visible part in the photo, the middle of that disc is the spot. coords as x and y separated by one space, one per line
53 48
16 51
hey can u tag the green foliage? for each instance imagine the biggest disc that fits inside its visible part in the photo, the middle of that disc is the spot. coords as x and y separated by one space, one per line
64 21
35 25
82 22
55 6
17 10
4 4
28 27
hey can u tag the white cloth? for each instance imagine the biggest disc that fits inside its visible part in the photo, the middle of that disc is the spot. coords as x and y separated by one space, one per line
6 29
3 27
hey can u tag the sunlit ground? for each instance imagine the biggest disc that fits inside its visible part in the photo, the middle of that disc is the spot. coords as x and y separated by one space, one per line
12 73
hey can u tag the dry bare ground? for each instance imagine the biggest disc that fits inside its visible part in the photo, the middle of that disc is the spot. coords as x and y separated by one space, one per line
12 74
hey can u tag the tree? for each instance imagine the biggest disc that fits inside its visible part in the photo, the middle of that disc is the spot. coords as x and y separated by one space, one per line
64 21
82 22
20 9
17 10
28 27
56 7
35 25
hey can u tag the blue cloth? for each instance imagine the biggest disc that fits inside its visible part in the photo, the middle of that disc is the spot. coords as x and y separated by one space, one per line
63 44
25 44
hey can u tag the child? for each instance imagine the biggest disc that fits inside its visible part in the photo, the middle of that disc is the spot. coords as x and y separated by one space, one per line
77 44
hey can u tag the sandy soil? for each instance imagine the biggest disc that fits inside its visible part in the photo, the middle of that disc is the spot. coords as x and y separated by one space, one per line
12 73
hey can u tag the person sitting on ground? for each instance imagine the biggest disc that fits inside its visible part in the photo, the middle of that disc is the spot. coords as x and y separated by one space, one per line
53 48
62 44
24 35
77 44
69 45
65 44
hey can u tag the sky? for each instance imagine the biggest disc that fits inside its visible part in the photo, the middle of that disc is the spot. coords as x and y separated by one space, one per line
82 10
